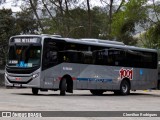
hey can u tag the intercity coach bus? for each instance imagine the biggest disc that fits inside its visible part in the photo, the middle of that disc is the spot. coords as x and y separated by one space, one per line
45 63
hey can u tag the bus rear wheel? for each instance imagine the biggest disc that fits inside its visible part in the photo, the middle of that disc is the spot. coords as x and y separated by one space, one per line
35 91
63 87
97 92
124 87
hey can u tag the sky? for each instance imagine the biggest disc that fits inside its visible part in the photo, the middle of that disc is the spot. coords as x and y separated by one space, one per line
15 6
12 4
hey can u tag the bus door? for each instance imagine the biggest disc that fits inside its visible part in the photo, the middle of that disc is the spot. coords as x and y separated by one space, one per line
49 60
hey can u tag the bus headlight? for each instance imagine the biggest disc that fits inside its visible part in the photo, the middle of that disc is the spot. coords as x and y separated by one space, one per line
35 75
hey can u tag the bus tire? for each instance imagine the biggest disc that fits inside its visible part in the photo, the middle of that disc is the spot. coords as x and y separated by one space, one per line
35 91
96 92
124 88
63 87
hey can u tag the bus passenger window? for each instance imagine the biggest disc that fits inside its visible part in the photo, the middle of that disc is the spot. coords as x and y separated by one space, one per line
100 57
71 56
87 57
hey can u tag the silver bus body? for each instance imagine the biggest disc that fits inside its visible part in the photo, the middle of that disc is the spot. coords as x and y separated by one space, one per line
79 75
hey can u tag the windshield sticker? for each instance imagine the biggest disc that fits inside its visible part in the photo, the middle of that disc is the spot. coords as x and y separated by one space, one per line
126 73
24 65
29 65
21 64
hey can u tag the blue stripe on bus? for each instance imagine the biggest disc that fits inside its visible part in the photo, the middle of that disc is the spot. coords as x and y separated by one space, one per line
94 79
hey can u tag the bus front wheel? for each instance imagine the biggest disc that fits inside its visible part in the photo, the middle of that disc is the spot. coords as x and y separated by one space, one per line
35 91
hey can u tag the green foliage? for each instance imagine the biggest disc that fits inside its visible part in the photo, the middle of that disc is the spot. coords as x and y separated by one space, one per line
25 22
123 25
76 23
151 38
51 26
79 23
13 24
7 28
7 23
100 23
73 22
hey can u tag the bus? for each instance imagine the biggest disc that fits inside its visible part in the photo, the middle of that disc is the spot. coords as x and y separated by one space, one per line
43 63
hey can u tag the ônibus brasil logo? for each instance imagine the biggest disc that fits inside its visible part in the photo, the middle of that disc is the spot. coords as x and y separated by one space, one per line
126 73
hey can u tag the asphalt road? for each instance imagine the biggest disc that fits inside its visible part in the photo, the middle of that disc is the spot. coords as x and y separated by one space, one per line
23 100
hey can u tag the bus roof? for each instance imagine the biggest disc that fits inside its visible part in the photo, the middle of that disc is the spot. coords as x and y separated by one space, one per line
102 41
127 47
95 42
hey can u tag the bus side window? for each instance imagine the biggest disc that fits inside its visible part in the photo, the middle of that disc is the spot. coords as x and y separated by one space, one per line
87 57
70 56
149 60
100 57
120 58
109 57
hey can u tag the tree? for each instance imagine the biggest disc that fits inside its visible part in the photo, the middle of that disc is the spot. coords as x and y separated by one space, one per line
25 22
71 19
124 22
151 37
79 26
89 18
112 7
74 21
61 19
33 4
7 29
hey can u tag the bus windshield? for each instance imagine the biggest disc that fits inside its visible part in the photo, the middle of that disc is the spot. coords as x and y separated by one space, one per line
24 56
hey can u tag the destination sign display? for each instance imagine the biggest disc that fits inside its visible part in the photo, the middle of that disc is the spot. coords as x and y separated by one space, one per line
25 40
